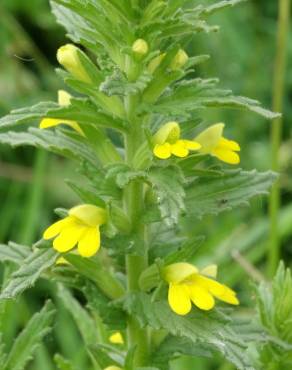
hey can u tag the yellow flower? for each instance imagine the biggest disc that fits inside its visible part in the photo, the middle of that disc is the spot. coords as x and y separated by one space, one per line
113 368
187 284
167 142
140 47
81 227
116 338
213 142
64 100
68 57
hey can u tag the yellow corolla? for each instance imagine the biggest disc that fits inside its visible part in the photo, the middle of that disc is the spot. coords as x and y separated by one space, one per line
116 338
167 142
213 143
64 100
188 285
80 227
113 368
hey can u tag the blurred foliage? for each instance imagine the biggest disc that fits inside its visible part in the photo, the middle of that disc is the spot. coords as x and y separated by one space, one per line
30 188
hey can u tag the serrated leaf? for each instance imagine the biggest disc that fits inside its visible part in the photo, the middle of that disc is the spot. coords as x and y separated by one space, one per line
82 319
29 272
30 338
232 188
62 363
174 347
220 5
117 84
212 329
14 252
26 115
192 95
112 317
55 142
167 184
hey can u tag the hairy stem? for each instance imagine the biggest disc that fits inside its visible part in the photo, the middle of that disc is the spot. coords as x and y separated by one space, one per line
276 134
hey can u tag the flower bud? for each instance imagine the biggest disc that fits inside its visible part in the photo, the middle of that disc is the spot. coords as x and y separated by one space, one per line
64 98
179 60
113 368
155 63
140 47
68 57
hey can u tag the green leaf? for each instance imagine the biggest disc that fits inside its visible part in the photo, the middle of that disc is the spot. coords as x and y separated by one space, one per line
86 193
168 186
210 329
26 115
118 84
29 272
62 363
219 6
13 252
191 95
3 355
112 317
174 347
94 271
84 322
274 304
232 188
107 355
54 141
30 338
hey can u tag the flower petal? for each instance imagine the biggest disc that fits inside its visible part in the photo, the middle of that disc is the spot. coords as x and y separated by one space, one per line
211 285
201 297
57 227
229 144
68 238
179 150
226 156
177 272
89 214
210 271
116 338
209 138
228 296
162 151
89 244
192 145
178 299
52 122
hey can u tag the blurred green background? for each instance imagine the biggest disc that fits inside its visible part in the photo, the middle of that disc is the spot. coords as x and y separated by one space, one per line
31 182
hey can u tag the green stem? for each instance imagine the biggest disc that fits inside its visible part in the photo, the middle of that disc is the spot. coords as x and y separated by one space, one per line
135 264
276 134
